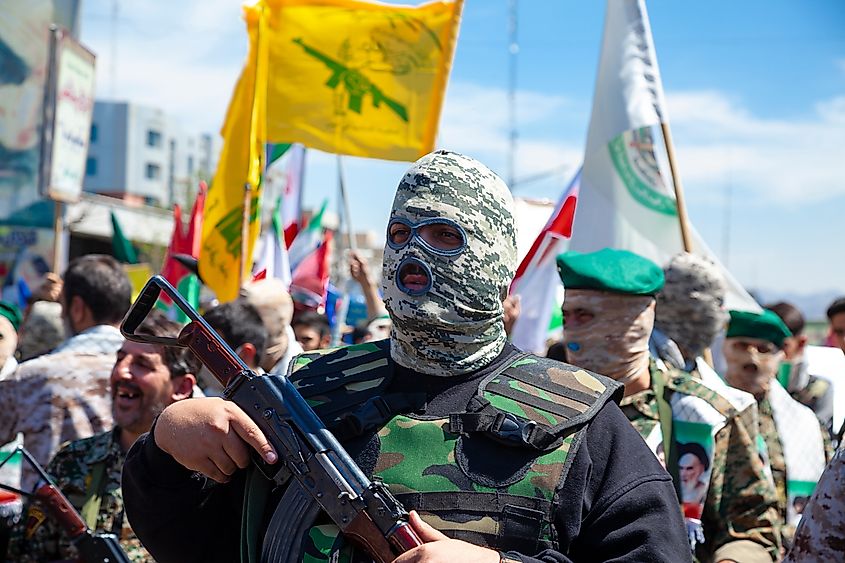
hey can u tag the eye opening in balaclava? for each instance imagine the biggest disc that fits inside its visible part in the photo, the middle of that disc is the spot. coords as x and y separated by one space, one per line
455 325
417 233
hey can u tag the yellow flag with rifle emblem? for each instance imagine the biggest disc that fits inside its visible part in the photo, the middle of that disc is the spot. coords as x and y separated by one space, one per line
359 78
342 76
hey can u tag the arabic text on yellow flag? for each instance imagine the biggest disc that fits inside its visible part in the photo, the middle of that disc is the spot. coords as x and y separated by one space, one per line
358 78
241 163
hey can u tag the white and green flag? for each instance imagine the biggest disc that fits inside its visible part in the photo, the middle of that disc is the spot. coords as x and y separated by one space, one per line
626 199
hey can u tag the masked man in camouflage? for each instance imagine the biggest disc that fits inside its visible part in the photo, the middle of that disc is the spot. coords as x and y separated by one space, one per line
690 312
501 454
705 439
145 379
797 444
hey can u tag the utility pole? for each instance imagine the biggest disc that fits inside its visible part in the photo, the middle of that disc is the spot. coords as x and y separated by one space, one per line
513 51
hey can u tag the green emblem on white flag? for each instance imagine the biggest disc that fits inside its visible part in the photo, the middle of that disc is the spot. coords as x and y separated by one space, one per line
635 162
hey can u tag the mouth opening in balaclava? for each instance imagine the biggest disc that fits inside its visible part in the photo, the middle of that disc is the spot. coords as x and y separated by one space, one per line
414 276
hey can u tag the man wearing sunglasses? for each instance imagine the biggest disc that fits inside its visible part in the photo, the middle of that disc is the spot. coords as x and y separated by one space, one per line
505 455
795 440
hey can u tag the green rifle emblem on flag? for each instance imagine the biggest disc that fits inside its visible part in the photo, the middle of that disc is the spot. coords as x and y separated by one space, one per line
231 225
355 83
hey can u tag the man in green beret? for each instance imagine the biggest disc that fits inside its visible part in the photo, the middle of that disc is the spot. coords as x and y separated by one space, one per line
10 322
608 315
795 440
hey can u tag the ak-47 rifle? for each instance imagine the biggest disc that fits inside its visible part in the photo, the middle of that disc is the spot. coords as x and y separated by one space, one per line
364 510
357 85
92 547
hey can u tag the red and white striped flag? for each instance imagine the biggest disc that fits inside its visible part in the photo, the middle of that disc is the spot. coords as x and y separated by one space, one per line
536 281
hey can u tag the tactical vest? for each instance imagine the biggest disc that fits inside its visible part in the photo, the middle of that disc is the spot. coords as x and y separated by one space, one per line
680 415
487 475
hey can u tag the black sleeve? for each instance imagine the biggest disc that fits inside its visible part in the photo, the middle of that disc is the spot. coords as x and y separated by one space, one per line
617 503
179 515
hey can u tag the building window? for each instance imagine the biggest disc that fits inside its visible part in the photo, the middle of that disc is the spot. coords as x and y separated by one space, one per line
91 166
153 138
153 171
93 133
190 166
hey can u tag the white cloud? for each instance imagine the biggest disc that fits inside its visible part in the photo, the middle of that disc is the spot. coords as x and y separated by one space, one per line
475 120
171 63
719 141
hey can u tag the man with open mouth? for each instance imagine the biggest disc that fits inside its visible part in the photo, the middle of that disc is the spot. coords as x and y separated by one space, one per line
504 456
145 379
797 445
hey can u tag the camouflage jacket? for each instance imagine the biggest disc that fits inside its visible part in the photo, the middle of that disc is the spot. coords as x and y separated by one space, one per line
777 462
40 539
739 515
820 537
60 397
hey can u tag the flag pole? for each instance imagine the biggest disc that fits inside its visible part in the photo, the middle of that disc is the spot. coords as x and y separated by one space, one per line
683 220
58 236
257 130
347 223
343 309
679 189
513 51
242 277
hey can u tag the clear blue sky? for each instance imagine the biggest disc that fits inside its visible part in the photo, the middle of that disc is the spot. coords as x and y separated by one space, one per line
755 94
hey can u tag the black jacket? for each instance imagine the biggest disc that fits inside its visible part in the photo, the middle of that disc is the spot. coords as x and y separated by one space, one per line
617 503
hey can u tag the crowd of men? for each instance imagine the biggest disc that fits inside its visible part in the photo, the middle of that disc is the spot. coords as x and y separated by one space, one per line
630 441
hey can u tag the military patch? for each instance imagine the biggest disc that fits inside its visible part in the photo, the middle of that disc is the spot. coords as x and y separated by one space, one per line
325 543
34 518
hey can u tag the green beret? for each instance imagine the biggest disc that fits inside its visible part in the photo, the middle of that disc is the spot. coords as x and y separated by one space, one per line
765 326
12 313
618 271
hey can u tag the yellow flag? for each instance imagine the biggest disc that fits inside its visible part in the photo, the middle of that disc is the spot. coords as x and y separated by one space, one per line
358 78
240 168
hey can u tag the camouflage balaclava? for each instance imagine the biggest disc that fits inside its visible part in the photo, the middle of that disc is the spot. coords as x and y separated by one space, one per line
453 323
615 341
690 306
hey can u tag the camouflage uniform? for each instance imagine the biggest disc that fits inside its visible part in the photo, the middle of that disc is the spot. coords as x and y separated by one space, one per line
739 516
73 470
61 396
820 537
42 330
777 461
